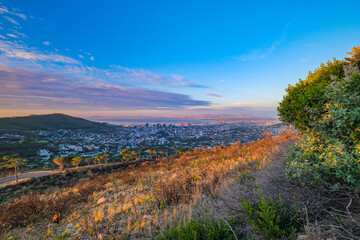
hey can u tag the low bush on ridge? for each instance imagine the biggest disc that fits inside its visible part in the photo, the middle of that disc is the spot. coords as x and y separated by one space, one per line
209 229
272 219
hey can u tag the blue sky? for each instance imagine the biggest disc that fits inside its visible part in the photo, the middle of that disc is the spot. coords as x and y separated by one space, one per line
164 58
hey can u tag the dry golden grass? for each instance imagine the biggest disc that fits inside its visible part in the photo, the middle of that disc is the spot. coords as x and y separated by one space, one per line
144 200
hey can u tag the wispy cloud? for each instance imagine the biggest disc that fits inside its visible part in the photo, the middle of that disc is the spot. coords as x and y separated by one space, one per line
180 81
18 55
261 53
20 34
14 12
20 15
12 20
12 35
3 10
239 108
131 76
264 52
19 85
214 95
19 51
40 78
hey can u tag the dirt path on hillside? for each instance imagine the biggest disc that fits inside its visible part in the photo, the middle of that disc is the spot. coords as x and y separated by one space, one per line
23 176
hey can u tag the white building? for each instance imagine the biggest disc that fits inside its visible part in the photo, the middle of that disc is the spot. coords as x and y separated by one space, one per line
45 154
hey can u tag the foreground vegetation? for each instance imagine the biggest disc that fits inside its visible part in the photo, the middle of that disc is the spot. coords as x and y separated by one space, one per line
326 108
162 199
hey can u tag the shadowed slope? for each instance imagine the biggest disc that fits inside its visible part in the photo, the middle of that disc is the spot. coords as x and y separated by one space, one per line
49 121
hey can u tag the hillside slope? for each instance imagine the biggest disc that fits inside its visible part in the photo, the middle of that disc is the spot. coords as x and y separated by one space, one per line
142 201
46 122
236 192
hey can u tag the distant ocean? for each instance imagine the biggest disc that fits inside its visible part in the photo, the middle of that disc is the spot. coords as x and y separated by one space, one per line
152 121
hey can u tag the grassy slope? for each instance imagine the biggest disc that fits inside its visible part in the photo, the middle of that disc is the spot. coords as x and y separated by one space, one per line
50 121
142 199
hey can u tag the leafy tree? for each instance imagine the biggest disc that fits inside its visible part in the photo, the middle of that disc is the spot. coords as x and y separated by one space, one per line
139 155
105 157
98 159
15 162
133 155
162 153
355 56
88 160
309 94
61 162
150 152
76 161
156 154
125 154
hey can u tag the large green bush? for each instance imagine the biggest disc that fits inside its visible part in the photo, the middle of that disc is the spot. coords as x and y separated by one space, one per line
340 118
330 150
308 94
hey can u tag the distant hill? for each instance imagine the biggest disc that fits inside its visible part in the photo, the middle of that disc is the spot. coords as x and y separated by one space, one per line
46 122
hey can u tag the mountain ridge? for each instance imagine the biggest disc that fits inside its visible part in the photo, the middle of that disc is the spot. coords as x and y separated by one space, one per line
47 122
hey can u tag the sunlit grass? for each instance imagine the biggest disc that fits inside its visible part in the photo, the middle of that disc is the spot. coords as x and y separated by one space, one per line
147 199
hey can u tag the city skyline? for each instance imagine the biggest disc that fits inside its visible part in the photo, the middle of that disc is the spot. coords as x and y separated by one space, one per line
164 58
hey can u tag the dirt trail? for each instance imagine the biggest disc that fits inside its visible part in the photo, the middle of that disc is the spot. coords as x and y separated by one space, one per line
24 176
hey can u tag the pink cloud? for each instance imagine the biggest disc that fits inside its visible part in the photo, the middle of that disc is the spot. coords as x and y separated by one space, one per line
214 95
26 88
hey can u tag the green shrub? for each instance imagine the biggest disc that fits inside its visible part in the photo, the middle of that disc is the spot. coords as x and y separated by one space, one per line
326 106
328 162
64 235
331 153
309 94
272 219
207 229
340 119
